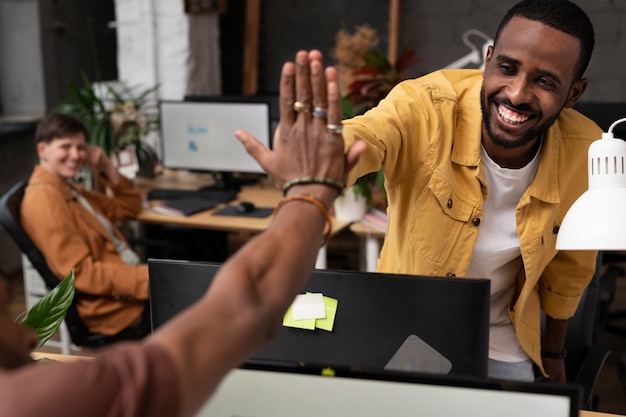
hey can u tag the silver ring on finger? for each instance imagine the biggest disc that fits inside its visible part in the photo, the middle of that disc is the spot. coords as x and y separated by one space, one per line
319 112
334 129
301 107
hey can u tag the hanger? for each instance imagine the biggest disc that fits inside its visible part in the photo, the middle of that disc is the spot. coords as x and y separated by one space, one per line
476 56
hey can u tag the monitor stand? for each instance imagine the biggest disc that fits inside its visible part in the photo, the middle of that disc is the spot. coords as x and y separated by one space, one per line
228 181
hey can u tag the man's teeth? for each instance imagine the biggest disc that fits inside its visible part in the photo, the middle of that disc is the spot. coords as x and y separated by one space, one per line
510 116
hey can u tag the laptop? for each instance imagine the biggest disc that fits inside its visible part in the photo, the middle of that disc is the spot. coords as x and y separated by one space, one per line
279 391
382 321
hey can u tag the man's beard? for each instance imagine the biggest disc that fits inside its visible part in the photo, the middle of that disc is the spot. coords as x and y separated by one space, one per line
530 136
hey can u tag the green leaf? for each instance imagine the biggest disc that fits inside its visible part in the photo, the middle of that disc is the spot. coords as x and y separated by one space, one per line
47 315
376 59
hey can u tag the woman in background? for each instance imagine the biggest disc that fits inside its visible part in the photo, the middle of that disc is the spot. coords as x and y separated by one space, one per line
75 228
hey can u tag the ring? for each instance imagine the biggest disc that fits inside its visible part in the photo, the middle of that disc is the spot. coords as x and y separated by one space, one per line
319 112
335 129
301 107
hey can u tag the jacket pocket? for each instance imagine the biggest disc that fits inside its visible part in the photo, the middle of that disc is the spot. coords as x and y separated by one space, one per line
440 214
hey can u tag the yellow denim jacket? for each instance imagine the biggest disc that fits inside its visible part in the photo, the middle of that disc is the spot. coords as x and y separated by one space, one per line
427 135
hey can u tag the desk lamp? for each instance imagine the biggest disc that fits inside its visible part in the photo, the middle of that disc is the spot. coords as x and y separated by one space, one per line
597 220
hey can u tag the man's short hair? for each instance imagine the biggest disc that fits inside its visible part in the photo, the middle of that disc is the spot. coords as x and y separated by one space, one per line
58 125
562 15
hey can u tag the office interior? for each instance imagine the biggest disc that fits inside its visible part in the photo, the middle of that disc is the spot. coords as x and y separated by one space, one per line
46 44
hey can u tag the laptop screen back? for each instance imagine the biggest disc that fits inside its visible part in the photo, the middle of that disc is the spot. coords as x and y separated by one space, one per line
383 321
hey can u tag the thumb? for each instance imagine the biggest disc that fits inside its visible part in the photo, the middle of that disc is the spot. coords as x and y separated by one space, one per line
255 148
354 153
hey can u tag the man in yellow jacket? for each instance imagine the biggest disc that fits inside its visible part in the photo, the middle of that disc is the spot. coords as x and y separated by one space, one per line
481 167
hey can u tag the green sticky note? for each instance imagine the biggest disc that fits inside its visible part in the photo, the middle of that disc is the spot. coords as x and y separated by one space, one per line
288 321
330 305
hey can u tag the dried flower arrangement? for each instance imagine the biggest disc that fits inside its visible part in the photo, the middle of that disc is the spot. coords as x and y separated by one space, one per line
365 74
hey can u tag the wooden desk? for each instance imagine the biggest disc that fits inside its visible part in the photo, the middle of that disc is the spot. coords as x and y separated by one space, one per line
372 239
262 195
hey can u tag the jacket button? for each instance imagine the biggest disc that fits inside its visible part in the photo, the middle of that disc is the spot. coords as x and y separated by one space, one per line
450 203
451 275
476 221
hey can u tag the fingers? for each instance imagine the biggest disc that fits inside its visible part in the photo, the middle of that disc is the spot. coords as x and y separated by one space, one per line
318 85
334 114
286 91
303 78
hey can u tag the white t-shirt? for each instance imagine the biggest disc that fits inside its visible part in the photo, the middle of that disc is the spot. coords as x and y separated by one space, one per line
497 253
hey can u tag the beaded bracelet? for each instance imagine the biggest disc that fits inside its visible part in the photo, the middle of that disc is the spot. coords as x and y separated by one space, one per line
309 198
314 180
554 355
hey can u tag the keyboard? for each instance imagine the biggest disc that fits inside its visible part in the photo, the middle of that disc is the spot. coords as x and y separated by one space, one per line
216 195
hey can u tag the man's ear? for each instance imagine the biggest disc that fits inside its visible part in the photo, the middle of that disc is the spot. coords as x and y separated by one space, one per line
576 91
489 54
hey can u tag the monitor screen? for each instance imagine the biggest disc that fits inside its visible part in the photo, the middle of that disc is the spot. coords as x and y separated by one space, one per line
272 390
199 136
381 321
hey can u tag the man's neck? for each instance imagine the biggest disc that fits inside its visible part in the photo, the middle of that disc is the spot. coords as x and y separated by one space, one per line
512 158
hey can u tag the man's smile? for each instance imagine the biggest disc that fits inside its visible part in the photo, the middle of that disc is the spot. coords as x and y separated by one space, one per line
511 116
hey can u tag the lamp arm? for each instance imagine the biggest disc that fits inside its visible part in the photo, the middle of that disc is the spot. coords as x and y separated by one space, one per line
615 123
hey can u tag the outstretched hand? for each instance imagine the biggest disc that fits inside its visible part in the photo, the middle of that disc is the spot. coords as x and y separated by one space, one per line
308 140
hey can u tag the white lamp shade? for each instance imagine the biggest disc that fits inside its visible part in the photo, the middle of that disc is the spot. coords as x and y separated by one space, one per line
596 221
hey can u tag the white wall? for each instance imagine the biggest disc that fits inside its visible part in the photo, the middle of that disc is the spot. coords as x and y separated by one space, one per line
152 45
21 79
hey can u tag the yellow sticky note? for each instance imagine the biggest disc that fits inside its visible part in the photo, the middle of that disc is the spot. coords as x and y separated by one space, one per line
330 305
289 321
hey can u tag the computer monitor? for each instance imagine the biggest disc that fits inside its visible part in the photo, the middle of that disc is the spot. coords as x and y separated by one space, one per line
199 136
383 321
271 99
278 391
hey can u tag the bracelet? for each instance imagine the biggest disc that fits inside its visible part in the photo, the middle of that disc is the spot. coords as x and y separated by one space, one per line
314 180
309 198
554 355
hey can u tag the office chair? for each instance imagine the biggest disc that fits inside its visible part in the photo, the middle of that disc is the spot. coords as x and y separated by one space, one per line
610 319
584 359
10 218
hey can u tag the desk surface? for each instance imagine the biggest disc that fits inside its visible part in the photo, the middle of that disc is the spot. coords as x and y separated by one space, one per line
262 195
364 230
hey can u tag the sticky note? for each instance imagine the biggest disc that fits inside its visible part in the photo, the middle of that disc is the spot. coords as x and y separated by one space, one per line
325 320
309 306
288 321
330 305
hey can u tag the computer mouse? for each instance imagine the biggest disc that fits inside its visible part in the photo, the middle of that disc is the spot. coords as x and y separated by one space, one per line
245 207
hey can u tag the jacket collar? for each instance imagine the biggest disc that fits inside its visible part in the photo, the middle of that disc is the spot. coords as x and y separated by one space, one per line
43 176
467 147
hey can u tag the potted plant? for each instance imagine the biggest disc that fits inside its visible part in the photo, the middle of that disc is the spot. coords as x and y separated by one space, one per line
117 119
47 315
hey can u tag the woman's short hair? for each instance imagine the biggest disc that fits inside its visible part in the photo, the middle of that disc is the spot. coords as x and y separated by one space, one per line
58 125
